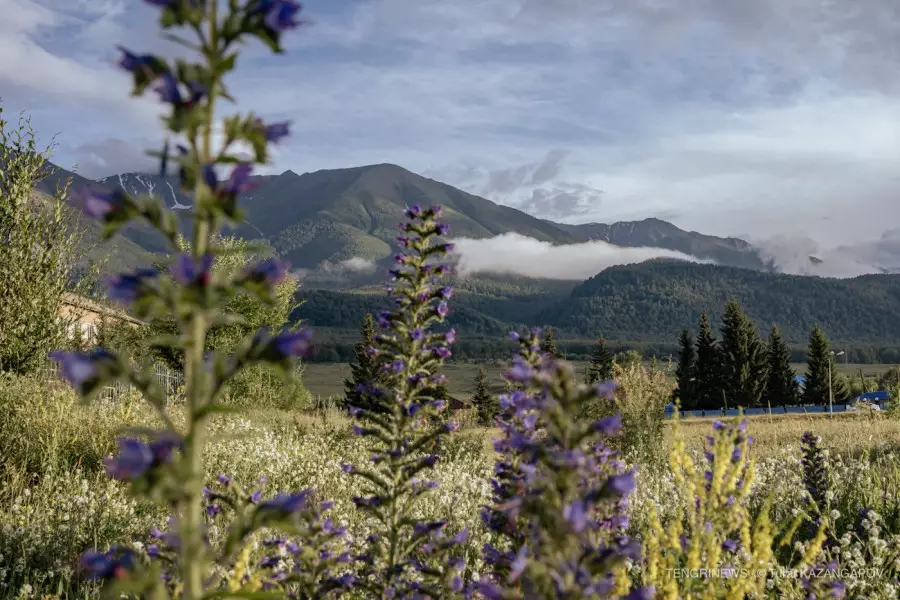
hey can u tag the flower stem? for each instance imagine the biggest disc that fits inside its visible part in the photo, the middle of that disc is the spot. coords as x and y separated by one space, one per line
192 506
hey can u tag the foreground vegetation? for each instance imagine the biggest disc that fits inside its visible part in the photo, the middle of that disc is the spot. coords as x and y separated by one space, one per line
56 500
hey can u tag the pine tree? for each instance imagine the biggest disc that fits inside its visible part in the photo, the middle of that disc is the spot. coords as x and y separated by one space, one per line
601 365
483 402
781 382
743 358
365 369
548 346
684 373
707 382
819 361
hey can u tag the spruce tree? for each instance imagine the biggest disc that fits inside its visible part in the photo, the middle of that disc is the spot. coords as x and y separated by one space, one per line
365 369
781 382
684 373
548 346
483 402
818 363
707 373
601 365
743 358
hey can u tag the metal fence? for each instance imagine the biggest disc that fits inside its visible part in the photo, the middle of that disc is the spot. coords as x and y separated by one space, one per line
781 410
168 381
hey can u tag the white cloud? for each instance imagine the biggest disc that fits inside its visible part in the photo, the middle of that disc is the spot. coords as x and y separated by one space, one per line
511 253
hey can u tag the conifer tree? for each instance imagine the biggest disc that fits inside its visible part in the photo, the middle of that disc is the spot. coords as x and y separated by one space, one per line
743 358
781 382
707 382
548 346
601 365
485 405
365 369
684 373
819 361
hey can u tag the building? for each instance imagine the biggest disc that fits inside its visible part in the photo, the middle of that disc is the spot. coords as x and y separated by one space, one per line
86 314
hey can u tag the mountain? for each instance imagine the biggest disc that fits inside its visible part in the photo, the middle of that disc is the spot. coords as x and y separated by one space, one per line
656 233
647 305
654 300
328 217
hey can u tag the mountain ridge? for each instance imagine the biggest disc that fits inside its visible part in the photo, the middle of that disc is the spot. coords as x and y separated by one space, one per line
331 216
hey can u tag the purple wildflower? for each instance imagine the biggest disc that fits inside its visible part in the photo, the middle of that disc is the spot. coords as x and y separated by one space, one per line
255 497
608 425
189 271
417 334
269 272
100 205
135 458
127 287
276 131
280 14
114 564
443 310
443 229
238 181
224 479
287 504
414 212
212 510
81 369
133 62
620 485
167 88
291 344
575 515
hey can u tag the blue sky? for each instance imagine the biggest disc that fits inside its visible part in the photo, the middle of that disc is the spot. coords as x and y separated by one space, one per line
774 120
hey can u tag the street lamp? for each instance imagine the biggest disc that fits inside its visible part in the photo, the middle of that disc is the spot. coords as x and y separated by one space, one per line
830 390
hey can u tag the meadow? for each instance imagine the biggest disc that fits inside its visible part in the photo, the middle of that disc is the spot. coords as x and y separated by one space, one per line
56 500
327 379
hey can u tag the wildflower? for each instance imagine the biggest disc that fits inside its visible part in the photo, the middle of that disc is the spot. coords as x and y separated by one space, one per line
83 371
101 205
190 271
274 132
287 504
608 425
269 272
279 15
238 180
127 287
290 344
115 564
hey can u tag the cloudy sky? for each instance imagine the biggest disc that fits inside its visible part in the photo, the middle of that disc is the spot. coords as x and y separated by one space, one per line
774 120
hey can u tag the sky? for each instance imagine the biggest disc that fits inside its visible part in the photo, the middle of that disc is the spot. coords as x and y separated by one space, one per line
777 121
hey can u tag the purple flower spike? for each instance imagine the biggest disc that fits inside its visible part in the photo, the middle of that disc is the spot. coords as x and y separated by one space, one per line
188 271
280 14
269 272
291 344
127 287
100 205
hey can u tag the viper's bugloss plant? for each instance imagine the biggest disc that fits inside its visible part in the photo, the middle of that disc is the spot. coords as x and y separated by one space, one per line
167 465
407 557
559 492
816 478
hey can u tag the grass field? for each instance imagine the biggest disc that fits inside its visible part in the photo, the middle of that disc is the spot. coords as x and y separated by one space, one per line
326 379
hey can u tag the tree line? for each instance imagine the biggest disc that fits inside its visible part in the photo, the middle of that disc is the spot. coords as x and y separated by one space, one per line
742 369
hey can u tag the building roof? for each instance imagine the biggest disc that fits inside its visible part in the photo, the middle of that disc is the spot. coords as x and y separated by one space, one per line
82 303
